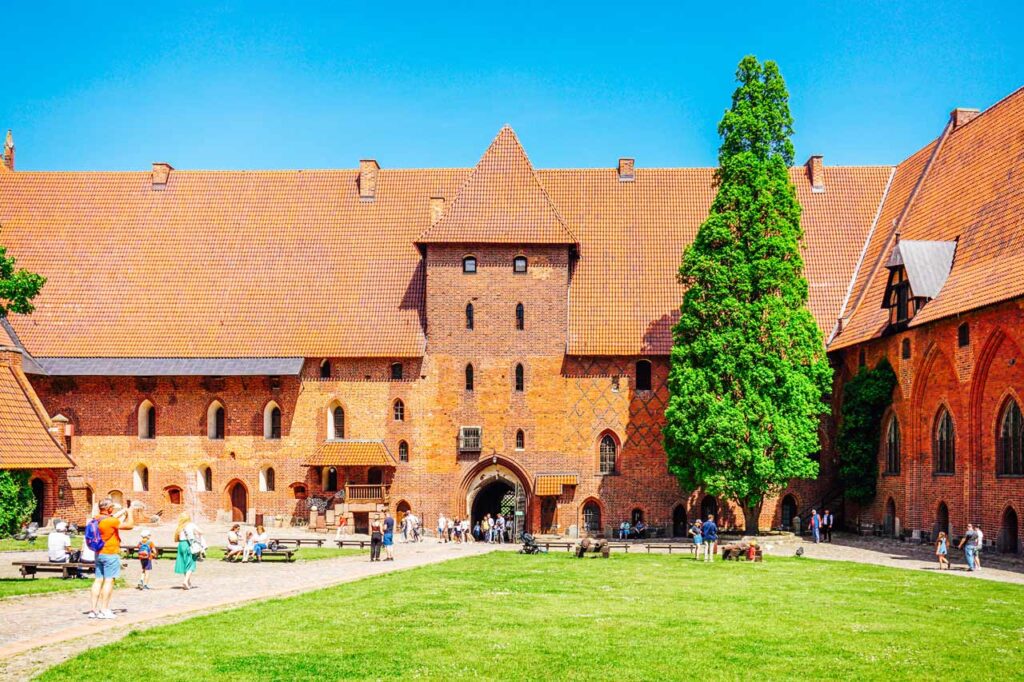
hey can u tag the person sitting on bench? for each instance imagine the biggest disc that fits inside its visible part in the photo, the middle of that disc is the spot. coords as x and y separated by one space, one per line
641 529
59 547
235 546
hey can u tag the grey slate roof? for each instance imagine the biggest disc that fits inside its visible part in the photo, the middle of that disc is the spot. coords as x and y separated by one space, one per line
927 264
167 366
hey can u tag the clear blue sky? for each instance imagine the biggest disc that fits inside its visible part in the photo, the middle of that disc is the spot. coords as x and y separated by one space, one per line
254 85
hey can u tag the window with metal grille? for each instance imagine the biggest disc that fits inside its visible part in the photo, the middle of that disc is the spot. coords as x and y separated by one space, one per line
403 451
643 375
609 450
520 379
399 411
1010 458
275 423
592 517
944 443
892 447
469 438
469 316
338 423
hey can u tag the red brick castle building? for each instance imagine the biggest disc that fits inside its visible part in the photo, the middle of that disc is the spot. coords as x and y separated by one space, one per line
467 340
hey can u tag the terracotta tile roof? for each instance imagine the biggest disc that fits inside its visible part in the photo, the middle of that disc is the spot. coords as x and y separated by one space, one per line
351 453
624 296
973 193
551 484
267 264
221 264
502 202
25 440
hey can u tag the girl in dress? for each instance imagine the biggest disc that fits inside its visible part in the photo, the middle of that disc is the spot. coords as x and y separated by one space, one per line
941 551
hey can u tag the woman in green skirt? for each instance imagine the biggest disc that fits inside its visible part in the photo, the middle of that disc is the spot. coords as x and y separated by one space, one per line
186 535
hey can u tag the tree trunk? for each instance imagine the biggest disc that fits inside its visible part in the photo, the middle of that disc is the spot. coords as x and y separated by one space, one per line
751 517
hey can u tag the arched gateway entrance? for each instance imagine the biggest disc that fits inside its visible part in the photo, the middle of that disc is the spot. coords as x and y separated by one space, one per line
498 488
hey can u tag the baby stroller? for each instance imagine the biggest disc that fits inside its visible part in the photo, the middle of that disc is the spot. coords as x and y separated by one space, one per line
530 545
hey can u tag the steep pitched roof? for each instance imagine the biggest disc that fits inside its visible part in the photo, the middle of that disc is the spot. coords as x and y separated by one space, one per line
973 193
288 264
502 202
25 440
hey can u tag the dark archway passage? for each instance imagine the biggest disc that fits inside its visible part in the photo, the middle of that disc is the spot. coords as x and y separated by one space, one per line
679 523
497 497
1010 532
788 511
38 492
942 519
889 523
709 507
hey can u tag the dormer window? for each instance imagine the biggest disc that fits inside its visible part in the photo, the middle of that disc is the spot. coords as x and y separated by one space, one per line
469 265
917 272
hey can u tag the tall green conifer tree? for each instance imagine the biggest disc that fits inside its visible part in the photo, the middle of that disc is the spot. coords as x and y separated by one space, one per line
748 369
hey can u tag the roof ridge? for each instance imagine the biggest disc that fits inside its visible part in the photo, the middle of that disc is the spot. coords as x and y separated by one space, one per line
898 222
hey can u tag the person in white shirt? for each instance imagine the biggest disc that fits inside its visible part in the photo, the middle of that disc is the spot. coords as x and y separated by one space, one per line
235 546
442 527
58 545
981 543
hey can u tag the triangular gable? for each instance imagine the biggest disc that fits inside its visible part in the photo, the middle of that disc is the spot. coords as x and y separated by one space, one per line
502 202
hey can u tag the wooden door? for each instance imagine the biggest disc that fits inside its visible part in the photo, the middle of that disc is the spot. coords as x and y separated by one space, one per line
239 506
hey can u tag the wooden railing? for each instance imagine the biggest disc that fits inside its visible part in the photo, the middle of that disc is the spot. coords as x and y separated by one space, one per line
366 493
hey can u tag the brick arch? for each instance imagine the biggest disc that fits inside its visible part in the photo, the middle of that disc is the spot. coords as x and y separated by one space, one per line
985 429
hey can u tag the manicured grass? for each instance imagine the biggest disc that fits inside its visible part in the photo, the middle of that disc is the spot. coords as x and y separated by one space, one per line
304 554
12 545
16 587
508 616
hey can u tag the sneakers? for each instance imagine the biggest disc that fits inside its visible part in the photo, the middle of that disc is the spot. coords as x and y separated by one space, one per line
105 615
93 614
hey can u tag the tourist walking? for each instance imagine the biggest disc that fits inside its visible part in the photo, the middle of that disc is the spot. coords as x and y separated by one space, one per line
485 526
102 535
190 545
464 526
145 552
827 520
815 522
979 546
442 527
969 543
389 536
376 538
709 534
500 529
476 532
695 532
417 528
941 551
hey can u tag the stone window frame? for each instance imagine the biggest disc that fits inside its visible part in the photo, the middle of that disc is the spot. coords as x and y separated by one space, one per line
943 443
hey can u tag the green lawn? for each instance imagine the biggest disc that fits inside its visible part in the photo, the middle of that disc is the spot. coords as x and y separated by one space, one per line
12 545
15 587
508 616
304 553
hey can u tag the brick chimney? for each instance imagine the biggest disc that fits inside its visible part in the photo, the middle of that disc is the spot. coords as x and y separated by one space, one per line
436 209
627 172
368 179
8 158
816 172
161 172
961 116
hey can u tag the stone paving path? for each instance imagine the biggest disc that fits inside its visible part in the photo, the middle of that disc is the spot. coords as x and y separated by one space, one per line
39 631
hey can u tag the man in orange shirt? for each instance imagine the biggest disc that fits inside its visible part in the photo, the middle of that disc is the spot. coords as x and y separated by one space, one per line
108 558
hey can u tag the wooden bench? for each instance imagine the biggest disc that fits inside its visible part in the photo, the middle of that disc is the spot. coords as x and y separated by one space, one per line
299 542
172 551
670 546
361 544
67 570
